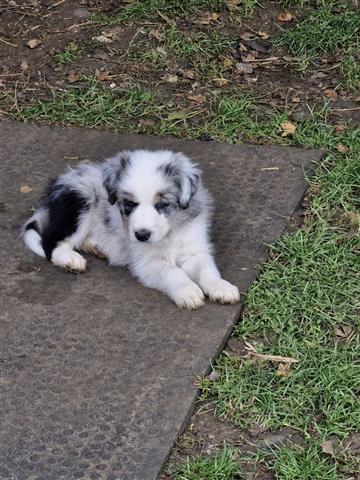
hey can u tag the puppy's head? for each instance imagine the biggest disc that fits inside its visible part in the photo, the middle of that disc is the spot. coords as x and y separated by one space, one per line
152 189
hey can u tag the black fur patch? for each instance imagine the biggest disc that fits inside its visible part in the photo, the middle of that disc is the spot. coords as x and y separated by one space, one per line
64 208
32 226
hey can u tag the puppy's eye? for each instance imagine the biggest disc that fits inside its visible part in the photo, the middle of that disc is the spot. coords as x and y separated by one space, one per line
128 206
162 205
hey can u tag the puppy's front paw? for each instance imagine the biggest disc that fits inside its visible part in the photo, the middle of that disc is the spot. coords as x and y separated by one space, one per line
190 297
68 259
221 291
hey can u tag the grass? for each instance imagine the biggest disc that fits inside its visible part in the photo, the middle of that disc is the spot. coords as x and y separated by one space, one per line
150 9
222 467
322 31
68 55
350 68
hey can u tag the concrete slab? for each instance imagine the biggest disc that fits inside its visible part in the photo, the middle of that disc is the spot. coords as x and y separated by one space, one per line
98 372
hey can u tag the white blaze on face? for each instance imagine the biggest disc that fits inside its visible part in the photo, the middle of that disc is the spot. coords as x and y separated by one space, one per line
143 181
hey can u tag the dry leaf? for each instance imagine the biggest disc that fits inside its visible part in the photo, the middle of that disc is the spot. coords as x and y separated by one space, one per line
343 331
101 76
154 33
354 219
288 128
284 370
233 5
247 36
221 81
197 98
162 51
73 77
170 78
33 43
213 375
340 127
102 39
25 189
250 57
330 93
24 65
285 17
342 148
263 35
244 68
328 447
146 123
207 18
189 74
318 75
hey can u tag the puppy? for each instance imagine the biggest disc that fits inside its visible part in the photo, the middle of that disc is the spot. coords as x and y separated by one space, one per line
146 210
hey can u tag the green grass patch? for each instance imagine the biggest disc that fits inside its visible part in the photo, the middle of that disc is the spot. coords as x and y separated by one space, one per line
149 9
323 31
222 467
68 55
350 68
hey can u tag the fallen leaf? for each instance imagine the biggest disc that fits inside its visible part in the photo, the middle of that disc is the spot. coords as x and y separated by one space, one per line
179 115
207 18
247 36
318 75
328 447
263 35
221 81
146 122
170 78
343 331
189 74
243 68
24 65
354 219
73 77
25 189
285 17
330 93
250 57
340 127
102 39
197 98
233 5
213 375
34 42
342 148
288 128
284 370
101 76
154 33
162 51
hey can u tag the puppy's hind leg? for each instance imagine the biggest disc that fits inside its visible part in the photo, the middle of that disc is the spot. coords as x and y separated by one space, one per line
64 256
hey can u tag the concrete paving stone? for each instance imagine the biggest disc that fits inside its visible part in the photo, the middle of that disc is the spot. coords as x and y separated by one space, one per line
98 372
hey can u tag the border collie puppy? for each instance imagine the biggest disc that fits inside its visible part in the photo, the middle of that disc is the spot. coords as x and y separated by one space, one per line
146 210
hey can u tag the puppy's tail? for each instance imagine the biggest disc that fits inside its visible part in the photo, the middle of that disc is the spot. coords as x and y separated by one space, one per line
31 233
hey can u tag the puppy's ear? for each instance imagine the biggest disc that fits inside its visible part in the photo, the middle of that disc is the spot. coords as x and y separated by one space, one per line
113 168
187 177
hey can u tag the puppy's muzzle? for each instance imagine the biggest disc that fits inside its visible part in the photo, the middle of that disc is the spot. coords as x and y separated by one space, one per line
142 235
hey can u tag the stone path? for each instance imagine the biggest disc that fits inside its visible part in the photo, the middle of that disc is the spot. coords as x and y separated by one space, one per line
98 372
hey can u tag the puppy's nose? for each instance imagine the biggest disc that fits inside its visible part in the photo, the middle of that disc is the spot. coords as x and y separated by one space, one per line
142 235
